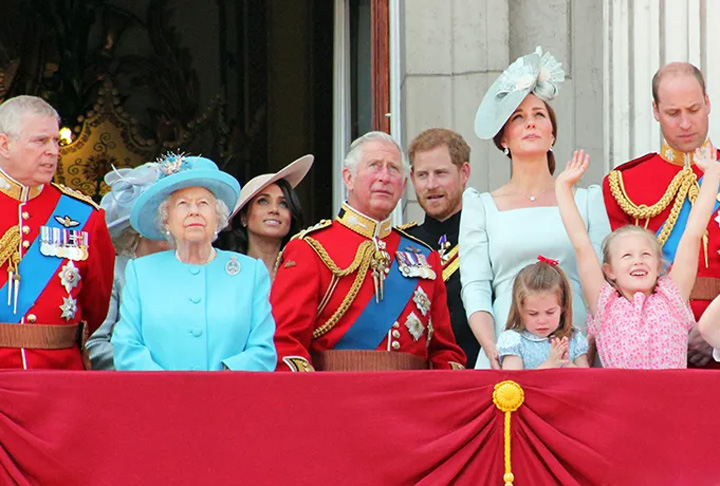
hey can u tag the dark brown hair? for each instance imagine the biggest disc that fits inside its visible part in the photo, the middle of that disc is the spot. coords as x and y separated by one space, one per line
541 278
237 239
676 68
550 156
435 137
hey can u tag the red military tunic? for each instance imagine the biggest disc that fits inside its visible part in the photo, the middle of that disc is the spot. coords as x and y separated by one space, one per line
29 209
303 300
645 181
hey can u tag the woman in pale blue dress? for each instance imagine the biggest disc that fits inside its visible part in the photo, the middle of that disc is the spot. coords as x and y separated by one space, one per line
506 229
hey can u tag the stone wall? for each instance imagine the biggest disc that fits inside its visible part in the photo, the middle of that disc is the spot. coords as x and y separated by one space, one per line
454 49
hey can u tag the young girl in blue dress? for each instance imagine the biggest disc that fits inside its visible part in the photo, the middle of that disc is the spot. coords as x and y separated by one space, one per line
539 332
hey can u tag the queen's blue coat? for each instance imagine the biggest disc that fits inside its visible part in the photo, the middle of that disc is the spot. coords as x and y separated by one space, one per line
175 316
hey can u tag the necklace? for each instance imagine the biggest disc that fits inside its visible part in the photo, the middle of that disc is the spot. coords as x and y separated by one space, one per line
210 257
533 197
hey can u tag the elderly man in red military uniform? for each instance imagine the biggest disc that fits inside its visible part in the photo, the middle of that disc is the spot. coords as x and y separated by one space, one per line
56 257
657 189
356 293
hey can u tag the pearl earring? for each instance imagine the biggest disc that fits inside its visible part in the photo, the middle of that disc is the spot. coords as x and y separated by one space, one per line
551 148
506 151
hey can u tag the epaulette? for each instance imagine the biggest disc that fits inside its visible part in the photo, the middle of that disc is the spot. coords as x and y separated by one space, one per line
634 162
411 237
324 223
76 194
407 226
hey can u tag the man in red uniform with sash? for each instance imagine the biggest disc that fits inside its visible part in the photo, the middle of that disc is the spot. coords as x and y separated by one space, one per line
56 257
356 293
657 189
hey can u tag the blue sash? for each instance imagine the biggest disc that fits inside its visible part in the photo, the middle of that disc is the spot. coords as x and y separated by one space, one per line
373 324
671 244
37 269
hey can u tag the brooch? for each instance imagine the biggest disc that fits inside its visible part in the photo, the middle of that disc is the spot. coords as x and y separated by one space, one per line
232 267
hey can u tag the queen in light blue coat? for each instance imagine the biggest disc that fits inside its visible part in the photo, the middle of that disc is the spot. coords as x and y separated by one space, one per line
195 308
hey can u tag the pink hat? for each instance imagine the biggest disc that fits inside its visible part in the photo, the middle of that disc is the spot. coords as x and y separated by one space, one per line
293 173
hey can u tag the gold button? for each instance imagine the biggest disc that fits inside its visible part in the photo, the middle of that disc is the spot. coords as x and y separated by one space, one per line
31 318
396 324
25 215
26 244
395 345
396 334
26 229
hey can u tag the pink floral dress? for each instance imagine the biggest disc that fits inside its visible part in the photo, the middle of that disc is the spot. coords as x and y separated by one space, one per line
649 332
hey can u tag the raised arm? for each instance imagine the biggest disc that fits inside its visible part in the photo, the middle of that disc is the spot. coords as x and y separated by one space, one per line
589 268
684 269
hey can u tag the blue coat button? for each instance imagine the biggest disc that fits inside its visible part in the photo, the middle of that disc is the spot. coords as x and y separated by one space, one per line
194 270
196 332
195 300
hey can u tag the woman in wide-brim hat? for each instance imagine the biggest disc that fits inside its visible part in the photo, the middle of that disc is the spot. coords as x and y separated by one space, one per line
126 185
268 212
506 229
194 308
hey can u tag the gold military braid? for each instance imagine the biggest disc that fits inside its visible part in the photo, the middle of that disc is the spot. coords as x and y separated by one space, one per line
10 249
683 185
361 264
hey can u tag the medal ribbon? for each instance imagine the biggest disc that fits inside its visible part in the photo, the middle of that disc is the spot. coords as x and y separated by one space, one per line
35 268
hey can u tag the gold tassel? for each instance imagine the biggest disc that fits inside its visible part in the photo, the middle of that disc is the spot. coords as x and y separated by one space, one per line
508 396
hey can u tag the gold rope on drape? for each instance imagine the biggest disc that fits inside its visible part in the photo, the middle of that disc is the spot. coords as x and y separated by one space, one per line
508 396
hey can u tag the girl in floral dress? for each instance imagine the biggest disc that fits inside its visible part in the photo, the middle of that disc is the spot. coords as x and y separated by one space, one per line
639 315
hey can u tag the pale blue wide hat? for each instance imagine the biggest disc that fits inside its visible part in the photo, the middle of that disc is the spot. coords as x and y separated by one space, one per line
179 171
536 73
126 186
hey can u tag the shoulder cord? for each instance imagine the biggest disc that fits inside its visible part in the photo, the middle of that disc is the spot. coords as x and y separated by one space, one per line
361 264
684 184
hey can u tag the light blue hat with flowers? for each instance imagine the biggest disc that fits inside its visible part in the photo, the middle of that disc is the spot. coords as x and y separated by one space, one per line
179 171
126 186
536 73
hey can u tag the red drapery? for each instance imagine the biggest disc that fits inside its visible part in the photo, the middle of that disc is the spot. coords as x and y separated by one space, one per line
576 427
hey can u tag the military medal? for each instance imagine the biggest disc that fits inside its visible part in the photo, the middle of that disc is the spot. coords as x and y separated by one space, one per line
69 276
380 265
413 264
443 247
68 307
414 326
232 267
421 301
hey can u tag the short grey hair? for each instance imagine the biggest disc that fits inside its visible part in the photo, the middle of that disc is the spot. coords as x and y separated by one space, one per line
13 110
355 152
221 211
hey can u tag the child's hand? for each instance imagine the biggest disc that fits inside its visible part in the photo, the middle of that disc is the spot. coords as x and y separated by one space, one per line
558 352
574 169
707 160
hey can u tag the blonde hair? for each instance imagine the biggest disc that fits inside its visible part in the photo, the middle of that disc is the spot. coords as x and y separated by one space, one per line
629 230
541 278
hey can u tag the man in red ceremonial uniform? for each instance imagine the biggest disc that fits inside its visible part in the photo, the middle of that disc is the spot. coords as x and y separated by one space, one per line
349 288
56 257
645 191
